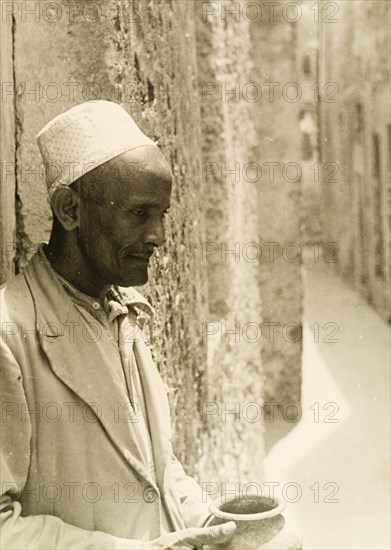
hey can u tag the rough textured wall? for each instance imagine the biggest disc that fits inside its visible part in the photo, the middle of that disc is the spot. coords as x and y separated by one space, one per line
278 141
235 381
141 55
155 58
357 134
7 152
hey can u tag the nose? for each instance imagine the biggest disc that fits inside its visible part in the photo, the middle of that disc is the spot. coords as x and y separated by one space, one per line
155 234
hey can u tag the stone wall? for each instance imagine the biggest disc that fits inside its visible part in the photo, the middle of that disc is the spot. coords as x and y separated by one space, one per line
235 378
155 57
356 134
276 117
143 56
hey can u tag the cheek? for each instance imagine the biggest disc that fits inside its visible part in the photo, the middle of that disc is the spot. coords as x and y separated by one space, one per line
106 231
96 232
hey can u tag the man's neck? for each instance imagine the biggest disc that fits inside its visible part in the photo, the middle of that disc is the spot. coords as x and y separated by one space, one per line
66 258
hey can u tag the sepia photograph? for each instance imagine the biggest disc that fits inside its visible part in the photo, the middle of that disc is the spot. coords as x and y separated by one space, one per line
195 237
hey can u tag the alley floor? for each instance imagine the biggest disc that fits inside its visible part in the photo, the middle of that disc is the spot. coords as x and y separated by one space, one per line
336 461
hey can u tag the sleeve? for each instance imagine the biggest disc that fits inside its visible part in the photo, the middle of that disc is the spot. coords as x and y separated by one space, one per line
195 503
40 531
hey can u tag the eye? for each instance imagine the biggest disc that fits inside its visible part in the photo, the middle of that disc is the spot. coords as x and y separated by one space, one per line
138 211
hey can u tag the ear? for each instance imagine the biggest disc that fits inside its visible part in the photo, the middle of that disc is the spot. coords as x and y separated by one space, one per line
65 204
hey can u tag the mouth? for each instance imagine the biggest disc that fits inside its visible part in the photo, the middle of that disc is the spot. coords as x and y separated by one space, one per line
139 257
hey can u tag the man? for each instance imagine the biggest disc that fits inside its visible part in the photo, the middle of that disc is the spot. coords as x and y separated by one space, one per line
86 453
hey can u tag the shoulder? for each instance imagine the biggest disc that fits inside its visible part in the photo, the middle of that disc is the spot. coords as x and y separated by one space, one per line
15 300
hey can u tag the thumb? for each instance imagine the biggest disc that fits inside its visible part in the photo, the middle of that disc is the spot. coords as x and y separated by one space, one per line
223 532
215 535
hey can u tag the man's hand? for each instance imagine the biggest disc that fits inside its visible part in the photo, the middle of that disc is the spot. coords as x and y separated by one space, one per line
193 538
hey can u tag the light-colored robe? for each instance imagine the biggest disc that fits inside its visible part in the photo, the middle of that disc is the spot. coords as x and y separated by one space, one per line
72 474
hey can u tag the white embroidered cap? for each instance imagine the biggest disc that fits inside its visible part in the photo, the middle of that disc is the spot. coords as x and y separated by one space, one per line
85 137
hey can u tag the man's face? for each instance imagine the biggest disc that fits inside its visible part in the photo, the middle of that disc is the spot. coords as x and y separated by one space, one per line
118 237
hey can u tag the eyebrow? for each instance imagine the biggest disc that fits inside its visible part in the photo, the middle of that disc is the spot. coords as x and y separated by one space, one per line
145 203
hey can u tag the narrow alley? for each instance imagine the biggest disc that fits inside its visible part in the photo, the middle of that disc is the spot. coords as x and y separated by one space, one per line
338 454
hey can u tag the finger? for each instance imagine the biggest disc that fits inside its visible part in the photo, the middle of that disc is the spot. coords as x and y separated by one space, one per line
210 535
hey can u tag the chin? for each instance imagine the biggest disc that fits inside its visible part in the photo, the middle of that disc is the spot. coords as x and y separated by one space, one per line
134 280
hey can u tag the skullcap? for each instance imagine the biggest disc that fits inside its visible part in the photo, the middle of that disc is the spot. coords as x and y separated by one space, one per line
83 138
